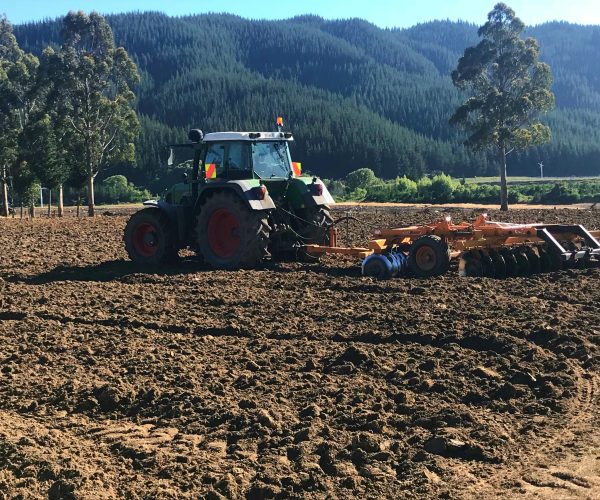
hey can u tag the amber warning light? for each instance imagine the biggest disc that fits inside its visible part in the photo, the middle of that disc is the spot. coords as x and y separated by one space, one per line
280 121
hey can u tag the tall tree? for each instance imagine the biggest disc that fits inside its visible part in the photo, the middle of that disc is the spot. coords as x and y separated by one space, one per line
8 151
96 81
17 81
46 139
41 141
508 89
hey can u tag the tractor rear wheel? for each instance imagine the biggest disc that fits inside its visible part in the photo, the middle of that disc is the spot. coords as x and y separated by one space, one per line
229 235
149 238
428 256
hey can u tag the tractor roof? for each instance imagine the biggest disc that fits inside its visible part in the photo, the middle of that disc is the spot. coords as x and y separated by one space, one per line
247 136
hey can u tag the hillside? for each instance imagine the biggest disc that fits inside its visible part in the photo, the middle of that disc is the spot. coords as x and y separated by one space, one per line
353 94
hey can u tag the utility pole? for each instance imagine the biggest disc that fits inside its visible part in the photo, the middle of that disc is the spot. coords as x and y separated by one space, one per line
541 164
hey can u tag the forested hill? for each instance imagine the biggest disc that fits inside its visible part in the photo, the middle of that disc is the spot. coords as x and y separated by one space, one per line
353 94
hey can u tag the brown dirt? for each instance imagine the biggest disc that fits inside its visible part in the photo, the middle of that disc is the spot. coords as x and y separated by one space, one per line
292 380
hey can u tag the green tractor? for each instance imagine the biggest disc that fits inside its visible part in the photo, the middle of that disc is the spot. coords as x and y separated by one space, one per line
246 201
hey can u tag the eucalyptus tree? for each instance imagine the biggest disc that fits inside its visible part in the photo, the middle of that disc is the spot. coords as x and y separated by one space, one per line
508 88
94 82
47 146
18 101
41 152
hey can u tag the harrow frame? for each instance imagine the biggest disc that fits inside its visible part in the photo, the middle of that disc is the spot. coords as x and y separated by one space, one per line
482 248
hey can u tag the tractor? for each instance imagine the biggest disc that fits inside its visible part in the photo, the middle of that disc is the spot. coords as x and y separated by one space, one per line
246 201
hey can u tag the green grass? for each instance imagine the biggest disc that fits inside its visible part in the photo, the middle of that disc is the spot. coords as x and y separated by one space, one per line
525 180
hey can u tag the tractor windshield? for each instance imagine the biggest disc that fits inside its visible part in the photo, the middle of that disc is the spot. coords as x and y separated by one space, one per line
271 159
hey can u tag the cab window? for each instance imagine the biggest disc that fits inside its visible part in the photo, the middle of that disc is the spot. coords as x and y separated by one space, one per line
238 161
215 154
271 159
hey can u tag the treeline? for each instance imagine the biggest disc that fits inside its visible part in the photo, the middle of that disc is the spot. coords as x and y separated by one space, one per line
364 185
353 94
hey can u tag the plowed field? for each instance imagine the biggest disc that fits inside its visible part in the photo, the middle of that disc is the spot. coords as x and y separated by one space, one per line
293 380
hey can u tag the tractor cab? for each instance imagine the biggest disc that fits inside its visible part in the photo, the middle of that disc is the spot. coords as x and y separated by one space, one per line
247 155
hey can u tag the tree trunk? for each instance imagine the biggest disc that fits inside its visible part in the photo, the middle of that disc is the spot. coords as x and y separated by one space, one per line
4 199
503 184
49 202
90 190
78 202
32 207
61 209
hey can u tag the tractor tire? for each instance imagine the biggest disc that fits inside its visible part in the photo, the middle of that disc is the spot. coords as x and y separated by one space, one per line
229 235
314 229
149 239
428 256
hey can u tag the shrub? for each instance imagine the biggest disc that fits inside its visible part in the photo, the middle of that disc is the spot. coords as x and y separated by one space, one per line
361 178
359 194
117 189
442 187
424 189
380 192
561 193
336 188
403 189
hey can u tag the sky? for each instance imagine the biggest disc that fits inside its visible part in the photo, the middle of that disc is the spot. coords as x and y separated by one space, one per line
383 13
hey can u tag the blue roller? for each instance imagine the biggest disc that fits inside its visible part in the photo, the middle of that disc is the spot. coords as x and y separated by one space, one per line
399 263
379 266
382 266
402 263
395 264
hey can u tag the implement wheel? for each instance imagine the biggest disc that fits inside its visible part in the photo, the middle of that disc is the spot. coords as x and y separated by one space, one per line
428 256
149 239
229 235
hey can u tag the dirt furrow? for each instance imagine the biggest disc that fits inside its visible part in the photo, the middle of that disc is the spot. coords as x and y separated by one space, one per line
293 380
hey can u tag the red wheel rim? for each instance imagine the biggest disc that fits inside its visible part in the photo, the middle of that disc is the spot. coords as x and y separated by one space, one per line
223 233
145 239
425 258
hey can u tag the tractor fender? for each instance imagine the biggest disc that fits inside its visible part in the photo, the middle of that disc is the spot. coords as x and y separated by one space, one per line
302 195
175 213
324 198
244 189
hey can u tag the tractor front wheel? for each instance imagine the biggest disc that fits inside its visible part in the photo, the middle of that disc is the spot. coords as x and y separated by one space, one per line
428 256
229 235
149 239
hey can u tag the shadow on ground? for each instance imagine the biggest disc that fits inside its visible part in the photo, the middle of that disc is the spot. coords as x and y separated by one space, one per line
128 272
113 270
